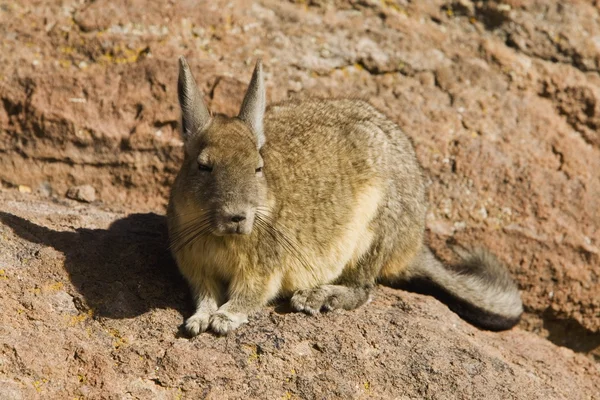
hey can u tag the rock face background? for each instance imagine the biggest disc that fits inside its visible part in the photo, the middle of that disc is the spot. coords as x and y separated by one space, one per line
500 98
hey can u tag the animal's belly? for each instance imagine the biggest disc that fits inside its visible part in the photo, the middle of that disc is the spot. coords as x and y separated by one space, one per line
305 278
346 248
346 253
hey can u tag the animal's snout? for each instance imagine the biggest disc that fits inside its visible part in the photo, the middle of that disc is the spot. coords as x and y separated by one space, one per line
235 220
238 218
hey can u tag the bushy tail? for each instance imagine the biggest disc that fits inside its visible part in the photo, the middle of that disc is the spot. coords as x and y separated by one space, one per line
479 288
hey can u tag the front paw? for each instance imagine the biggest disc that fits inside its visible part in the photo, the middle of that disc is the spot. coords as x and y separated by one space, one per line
197 323
223 322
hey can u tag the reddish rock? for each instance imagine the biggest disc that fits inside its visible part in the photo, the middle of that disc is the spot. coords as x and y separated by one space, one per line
500 98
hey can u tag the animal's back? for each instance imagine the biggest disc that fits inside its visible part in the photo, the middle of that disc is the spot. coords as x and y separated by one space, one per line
346 180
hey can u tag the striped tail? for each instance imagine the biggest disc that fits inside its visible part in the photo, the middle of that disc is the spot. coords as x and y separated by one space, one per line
479 288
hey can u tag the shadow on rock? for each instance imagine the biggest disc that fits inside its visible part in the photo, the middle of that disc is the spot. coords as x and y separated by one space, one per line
570 333
123 271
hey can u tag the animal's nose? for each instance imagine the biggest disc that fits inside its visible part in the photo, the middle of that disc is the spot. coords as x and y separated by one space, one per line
238 218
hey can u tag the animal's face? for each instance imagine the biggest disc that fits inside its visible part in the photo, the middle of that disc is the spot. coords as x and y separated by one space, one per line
222 172
225 176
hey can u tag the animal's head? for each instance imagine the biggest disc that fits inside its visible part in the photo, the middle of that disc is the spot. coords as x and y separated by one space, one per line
223 167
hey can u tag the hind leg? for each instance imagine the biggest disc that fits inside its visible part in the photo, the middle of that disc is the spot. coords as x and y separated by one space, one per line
350 290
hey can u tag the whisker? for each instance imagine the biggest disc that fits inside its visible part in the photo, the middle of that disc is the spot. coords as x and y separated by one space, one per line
193 237
282 232
284 240
189 231
189 224
183 234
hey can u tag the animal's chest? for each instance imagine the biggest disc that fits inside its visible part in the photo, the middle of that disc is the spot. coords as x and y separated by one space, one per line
220 259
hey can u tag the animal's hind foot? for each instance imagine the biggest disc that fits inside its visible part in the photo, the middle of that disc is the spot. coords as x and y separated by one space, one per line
328 298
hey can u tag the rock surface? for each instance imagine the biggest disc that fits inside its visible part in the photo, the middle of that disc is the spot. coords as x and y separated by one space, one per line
92 305
500 98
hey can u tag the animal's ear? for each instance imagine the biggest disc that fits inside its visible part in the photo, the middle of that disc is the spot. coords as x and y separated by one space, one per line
194 114
253 106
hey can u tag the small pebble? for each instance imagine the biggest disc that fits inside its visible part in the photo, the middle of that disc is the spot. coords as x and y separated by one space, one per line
85 193
24 189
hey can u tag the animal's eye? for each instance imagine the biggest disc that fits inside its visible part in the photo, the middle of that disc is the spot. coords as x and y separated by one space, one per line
204 167
258 170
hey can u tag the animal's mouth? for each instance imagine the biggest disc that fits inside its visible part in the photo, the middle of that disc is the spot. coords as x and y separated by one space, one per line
226 225
232 230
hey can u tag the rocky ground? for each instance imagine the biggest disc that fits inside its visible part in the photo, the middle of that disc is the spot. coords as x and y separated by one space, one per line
92 308
500 98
